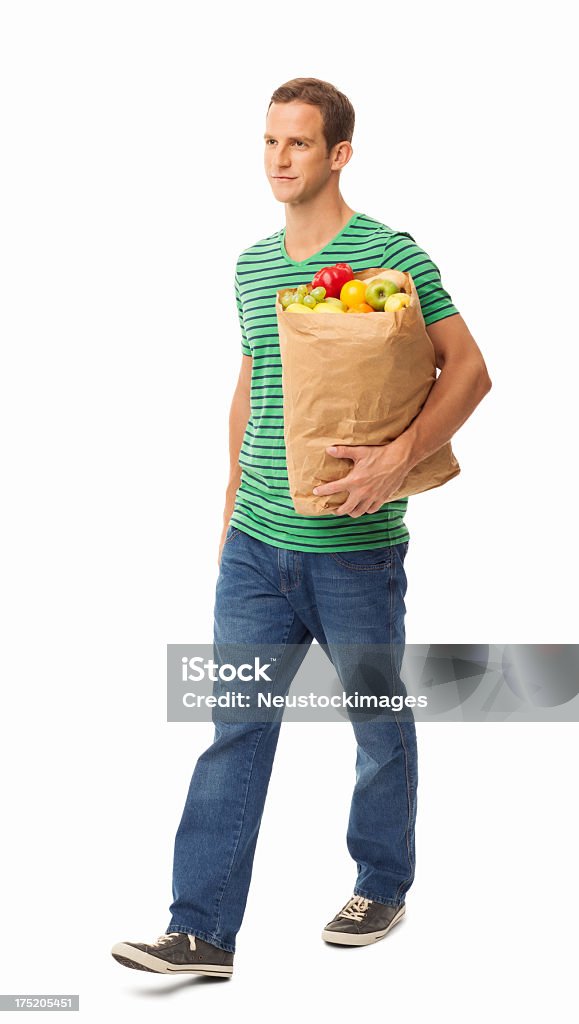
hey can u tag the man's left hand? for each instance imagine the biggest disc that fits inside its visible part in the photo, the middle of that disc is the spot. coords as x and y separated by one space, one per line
376 475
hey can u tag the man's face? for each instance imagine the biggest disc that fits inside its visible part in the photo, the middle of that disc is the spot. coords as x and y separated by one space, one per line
296 160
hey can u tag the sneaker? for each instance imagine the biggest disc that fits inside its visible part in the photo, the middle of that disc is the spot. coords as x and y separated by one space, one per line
361 922
175 953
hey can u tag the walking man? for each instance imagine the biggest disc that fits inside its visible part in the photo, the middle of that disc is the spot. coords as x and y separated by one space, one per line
286 578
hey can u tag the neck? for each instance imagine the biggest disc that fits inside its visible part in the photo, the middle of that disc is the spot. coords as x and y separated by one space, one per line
311 225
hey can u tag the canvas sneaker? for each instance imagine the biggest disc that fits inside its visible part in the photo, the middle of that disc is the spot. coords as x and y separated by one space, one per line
175 953
361 922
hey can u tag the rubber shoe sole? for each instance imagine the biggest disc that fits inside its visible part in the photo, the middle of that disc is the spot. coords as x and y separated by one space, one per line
128 956
361 939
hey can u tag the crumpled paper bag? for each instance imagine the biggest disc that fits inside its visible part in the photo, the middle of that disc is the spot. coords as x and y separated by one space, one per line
355 379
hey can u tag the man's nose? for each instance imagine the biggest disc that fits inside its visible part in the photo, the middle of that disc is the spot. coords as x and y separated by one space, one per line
283 156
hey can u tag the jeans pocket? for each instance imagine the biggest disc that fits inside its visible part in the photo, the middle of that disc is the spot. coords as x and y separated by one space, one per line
367 560
232 532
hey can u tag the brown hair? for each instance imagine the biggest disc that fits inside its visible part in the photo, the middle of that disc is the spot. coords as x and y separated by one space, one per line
336 110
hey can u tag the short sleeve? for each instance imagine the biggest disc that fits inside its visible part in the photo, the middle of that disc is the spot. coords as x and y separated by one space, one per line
245 346
402 253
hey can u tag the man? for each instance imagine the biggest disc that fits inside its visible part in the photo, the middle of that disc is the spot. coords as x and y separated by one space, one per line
286 578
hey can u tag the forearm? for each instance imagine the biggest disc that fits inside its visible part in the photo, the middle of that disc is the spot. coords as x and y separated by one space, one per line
457 391
238 417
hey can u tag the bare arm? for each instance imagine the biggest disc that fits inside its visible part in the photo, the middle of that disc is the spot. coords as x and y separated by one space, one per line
462 383
238 417
379 470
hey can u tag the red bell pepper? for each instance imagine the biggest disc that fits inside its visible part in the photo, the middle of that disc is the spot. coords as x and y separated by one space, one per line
332 278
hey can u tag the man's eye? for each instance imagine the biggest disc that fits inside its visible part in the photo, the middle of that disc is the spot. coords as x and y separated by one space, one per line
298 142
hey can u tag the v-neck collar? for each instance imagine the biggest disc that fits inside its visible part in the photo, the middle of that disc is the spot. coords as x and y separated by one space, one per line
316 255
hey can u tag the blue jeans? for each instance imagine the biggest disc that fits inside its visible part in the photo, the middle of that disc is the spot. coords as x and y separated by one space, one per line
266 594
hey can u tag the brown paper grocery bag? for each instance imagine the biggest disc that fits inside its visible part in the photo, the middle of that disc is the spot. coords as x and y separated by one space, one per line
356 378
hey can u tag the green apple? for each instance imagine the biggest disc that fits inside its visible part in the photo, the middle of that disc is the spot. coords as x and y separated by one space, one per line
378 291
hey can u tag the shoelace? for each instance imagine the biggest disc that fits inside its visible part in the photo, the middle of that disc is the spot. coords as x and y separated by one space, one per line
355 908
173 935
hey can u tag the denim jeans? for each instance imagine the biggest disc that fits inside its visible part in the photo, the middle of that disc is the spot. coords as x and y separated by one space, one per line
266 594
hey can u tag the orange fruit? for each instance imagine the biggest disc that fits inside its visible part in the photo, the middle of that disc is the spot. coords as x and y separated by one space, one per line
353 292
363 307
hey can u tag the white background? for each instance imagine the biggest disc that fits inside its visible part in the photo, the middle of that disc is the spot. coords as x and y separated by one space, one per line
132 178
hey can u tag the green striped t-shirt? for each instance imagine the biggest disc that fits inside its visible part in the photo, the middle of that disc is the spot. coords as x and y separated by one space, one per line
263 506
